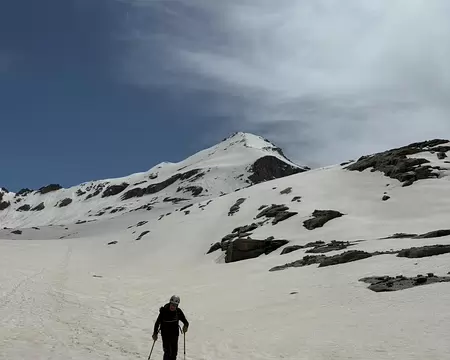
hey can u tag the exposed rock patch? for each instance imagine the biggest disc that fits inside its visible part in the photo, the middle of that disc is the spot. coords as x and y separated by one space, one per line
385 197
245 228
424 251
441 155
112 242
396 165
306 261
49 188
388 283
17 232
272 211
80 192
286 191
433 234
243 249
331 246
23 192
114 190
283 215
4 205
186 207
270 167
348 256
142 234
296 198
291 248
117 209
195 190
64 202
39 207
321 217
236 207
214 247
174 200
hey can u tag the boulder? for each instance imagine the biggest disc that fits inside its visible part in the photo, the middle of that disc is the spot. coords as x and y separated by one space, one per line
39 207
286 191
272 211
321 217
243 249
385 197
4 205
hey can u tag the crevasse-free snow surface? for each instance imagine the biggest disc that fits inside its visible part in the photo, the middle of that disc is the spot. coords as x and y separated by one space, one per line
334 275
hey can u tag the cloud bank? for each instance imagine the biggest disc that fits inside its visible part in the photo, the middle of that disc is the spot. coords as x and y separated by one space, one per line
328 80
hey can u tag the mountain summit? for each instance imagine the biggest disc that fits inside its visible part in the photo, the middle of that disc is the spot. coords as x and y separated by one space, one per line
239 161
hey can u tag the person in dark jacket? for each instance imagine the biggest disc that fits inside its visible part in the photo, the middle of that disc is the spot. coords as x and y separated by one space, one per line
169 316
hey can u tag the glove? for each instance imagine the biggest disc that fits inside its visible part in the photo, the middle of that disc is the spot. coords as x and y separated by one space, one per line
155 337
185 329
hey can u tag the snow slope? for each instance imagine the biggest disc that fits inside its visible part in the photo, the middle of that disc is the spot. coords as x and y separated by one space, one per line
218 170
66 293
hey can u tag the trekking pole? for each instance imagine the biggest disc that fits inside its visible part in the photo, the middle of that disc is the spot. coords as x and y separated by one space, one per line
151 350
184 335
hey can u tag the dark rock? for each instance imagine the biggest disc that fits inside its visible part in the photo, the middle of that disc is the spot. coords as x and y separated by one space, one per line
387 283
136 192
140 183
80 192
81 222
395 163
385 197
142 234
153 176
35 228
296 198
187 212
215 247
286 191
291 248
114 190
272 211
315 243
262 207
283 215
23 192
229 237
321 217
424 251
332 246
49 188
17 232
95 193
243 249
195 190
147 207
186 207
441 155
4 205
117 209
64 202
306 261
348 256
174 200
434 234
141 223
39 207
235 208
245 228
269 168
400 236
5 190
112 242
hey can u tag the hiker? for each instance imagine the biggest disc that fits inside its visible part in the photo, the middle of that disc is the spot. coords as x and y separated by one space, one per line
168 318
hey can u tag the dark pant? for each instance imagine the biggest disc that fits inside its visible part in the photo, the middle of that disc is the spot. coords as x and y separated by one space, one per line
170 347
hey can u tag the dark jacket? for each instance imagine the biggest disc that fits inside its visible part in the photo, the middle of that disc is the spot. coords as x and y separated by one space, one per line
168 320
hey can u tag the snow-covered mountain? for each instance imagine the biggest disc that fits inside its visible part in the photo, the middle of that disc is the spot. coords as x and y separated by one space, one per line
349 261
239 161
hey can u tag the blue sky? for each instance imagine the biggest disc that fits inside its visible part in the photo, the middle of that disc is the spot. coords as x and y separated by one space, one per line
93 89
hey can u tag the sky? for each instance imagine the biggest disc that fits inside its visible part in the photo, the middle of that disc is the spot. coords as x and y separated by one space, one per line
93 89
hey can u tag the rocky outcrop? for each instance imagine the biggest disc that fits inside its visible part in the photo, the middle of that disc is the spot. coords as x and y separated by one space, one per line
174 200
39 207
25 207
186 207
114 190
427 235
397 165
49 188
424 251
306 261
113 242
142 235
154 188
321 217
291 248
215 247
243 249
235 208
245 229
3 204
348 256
269 168
16 232
64 202
80 192
286 191
385 197
195 190
23 192
400 282
331 246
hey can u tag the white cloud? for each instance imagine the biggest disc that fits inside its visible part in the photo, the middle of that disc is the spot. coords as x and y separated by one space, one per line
329 79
